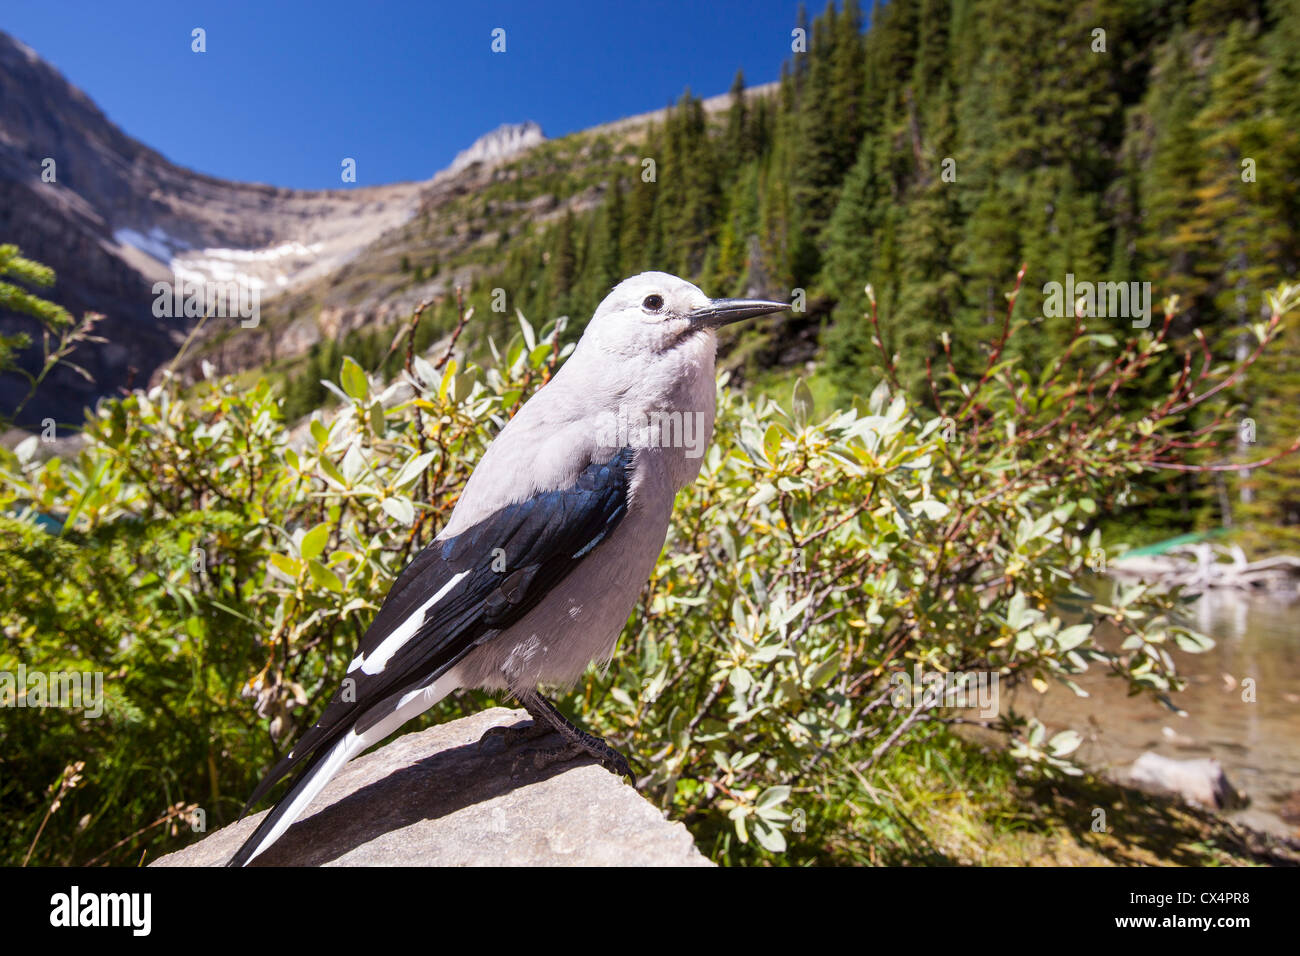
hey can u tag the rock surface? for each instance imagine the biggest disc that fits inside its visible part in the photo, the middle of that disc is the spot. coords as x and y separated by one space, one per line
438 798
503 142
1196 781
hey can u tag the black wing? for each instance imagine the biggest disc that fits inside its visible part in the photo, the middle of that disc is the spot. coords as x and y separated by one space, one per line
541 540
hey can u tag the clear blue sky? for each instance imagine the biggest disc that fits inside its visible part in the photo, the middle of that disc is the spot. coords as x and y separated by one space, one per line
287 89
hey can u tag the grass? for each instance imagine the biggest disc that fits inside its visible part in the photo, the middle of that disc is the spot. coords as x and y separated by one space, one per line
950 801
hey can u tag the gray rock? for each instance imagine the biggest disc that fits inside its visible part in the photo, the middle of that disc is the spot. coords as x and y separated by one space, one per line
503 142
1196 781
439 798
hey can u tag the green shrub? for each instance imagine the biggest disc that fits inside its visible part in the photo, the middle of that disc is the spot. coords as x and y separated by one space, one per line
218 571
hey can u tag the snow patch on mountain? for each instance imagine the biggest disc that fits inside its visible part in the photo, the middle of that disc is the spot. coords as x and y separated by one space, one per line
155 243
224 265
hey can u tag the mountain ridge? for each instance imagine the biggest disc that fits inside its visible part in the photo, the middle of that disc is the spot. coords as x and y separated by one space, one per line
118 217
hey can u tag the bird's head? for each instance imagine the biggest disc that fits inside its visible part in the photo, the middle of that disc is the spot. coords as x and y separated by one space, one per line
655 313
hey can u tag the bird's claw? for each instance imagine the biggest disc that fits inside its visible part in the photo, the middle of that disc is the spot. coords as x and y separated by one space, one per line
609 758
618 765
605 756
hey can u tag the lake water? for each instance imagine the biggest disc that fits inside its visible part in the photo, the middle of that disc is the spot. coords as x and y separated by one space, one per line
1257 743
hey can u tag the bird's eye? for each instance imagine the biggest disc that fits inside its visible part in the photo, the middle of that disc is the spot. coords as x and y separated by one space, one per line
653 303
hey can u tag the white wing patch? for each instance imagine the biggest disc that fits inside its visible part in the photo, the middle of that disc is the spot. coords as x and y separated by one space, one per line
390 645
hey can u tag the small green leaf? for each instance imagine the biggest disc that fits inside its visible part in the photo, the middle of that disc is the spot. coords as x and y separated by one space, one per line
538 356
413 469
769 837
741 680
1016 611
1064 743
623 697
1072 637
1192 642
324 577
314 541
772 442
824 671
934 510
354 463
801 402
331 472
448 384
286 565
399 509
526 327
765 493
353 379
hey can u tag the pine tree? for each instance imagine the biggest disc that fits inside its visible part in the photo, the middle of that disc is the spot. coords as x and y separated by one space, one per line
815 159
1170 247
637 243
738 143
563 266
854 235
1236 132
931 288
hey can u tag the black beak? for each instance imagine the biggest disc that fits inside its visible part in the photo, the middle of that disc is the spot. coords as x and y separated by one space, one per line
722 312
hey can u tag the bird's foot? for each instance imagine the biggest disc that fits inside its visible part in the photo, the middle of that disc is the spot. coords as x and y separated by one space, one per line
577 741
514 734
604 754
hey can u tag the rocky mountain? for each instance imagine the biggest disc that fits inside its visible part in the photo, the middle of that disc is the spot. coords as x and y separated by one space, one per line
509 186
112 217
502 143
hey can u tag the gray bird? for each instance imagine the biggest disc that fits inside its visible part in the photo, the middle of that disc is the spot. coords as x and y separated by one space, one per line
548 548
